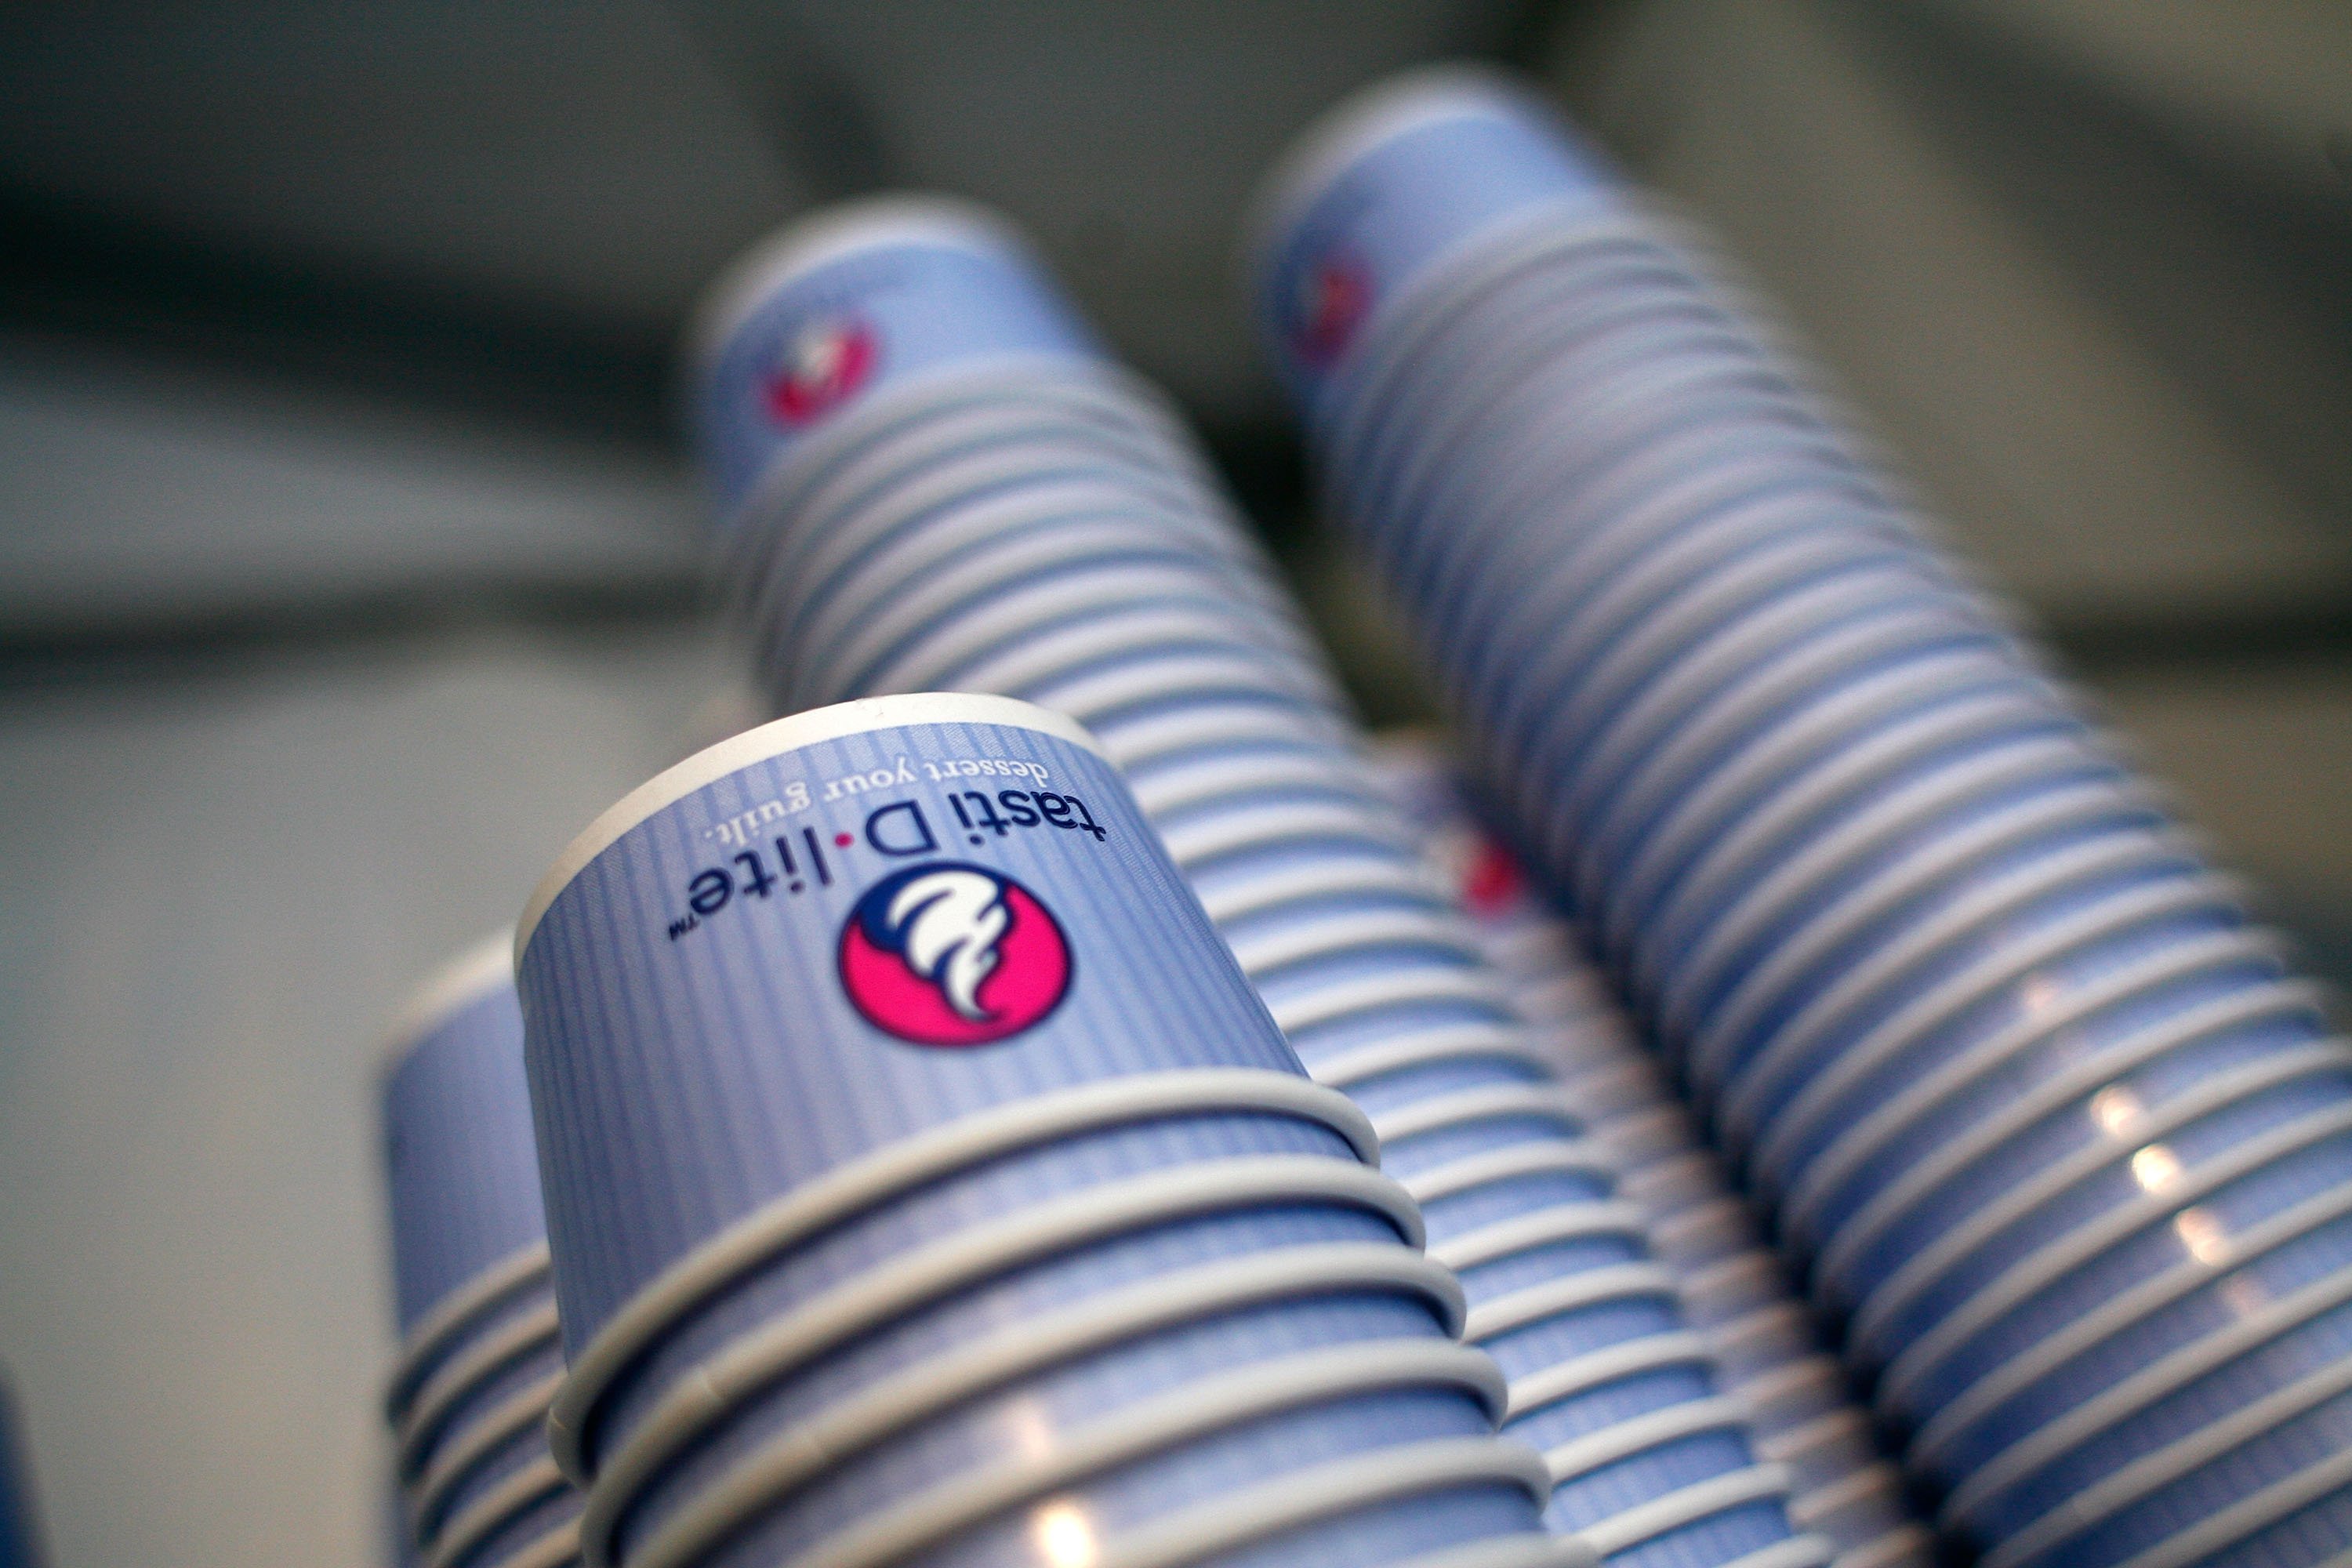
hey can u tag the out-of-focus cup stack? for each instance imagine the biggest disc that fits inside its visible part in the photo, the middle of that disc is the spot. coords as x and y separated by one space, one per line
927 1187
928 478
2068 1152
480 1356
1735 1285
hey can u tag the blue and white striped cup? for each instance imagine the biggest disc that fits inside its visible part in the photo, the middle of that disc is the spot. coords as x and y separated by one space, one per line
1124 592
926 1185
1733 1287
1950 983
480 1359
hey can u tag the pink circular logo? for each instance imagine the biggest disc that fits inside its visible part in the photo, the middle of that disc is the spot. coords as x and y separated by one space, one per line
953 954
1486 878
824 368
1492 882
1335 294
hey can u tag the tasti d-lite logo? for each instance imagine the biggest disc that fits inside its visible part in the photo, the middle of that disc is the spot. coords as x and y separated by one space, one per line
953 954
823 368
1333 296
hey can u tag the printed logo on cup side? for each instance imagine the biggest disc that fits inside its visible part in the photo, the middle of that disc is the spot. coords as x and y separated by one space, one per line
1333 296
1488 876
953 954
824 367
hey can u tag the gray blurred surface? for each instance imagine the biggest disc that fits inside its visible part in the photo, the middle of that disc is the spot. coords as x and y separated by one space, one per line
144 495
2261 753
2088 265
579 156
1127 138
599 160
220 887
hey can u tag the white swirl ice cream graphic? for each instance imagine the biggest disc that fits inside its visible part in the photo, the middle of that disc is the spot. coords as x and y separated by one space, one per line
948 925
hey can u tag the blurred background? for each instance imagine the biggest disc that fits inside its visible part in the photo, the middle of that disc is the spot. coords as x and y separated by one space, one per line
349 563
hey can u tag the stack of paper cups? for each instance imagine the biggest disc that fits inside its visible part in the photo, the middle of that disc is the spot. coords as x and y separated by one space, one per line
931 480
1733 1285
927 1187
2069 1152
480 1358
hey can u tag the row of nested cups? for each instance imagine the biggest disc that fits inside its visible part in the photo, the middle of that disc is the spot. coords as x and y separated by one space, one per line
925 1197
929 477
2068 1149
1735 1286
480 1359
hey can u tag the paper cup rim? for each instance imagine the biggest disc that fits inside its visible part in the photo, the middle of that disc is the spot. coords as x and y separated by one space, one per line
827 235
457 984
775 739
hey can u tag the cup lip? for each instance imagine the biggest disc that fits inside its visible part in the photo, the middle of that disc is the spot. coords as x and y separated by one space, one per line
826 236
457 984
775 739
1353 127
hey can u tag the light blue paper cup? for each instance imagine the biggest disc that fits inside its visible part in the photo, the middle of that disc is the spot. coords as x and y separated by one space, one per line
1545 430
1731 1289
804 331
1240 749
902 527
479 1357
2056 918
461 1166
1728 773
868 1048
1339 252
2204 1427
